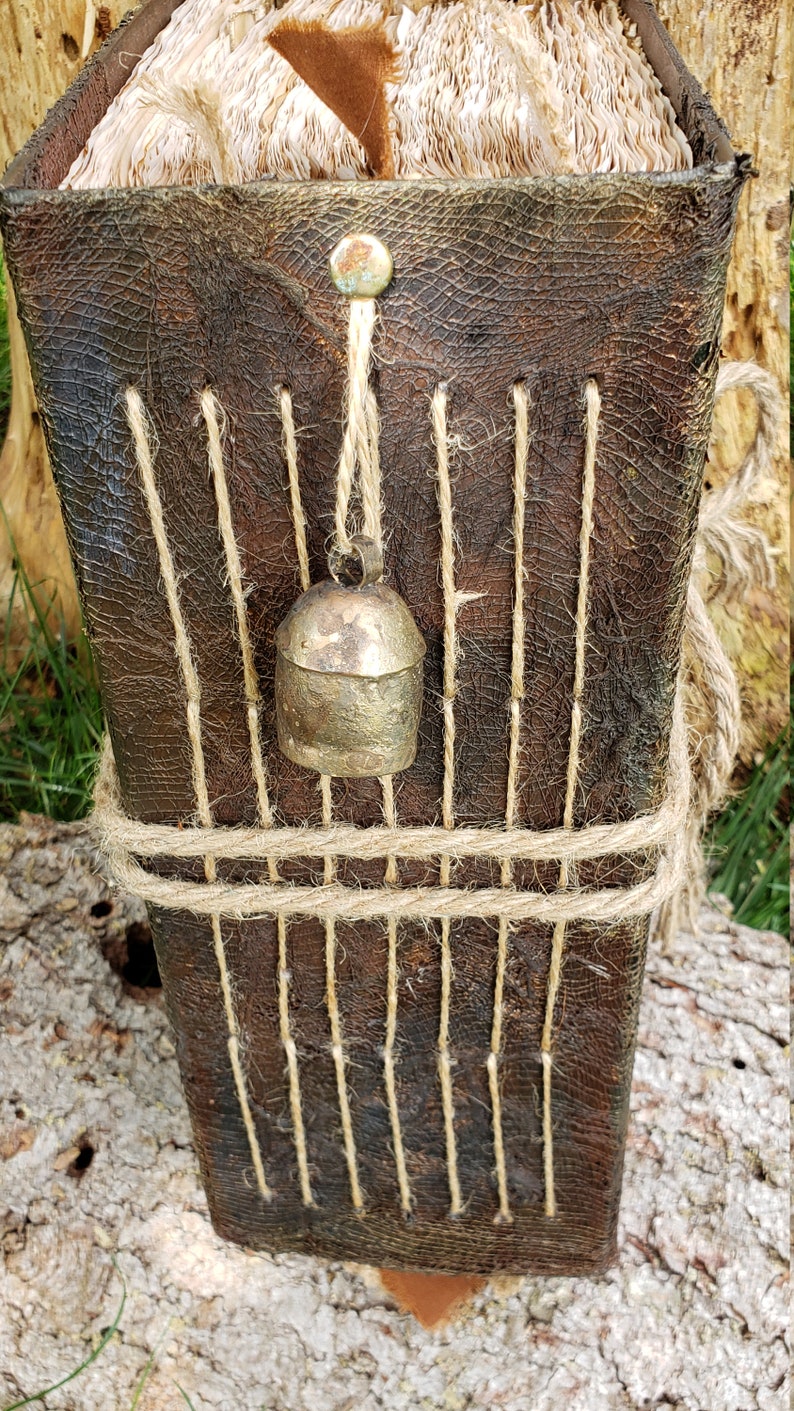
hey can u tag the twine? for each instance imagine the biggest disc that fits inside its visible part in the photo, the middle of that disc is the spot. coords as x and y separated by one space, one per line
289 443
360 421
360 452
666 834
215 421
592 413
647 832
521 404
246 900
391 877
332 1002
290 448
439 415
143 438
731 556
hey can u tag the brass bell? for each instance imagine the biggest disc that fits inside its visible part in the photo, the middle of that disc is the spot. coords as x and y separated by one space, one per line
349 672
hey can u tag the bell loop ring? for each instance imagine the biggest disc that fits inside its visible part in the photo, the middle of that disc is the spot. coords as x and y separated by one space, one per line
356 564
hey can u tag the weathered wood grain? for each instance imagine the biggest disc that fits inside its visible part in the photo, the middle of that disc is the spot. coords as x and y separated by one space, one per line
43 44
740 52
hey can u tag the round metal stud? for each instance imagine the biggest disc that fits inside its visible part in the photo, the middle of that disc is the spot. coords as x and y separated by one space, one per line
361 266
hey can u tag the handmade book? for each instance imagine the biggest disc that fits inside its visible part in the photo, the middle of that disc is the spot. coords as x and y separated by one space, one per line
405 1004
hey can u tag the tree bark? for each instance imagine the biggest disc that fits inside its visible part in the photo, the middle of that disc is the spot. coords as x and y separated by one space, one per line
739 52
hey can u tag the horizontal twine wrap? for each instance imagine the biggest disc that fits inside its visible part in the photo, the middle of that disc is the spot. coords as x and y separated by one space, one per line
122 836
123 840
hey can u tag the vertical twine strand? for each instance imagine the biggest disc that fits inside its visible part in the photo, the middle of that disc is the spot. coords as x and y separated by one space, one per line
214 420
439 418
143 437
359 450
372 515
361 447
370 476
592 414
392 977
293 1072
332 1002
371 506
290 444
439 410
521 404
504 1216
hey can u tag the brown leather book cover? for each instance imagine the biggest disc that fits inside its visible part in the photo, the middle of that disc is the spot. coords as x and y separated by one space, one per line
549 282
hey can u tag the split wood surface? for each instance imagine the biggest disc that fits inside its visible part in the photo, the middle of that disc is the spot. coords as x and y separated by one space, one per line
43 45
694 1315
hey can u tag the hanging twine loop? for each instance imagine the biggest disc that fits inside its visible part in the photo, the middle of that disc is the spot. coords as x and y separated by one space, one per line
358 497
361 268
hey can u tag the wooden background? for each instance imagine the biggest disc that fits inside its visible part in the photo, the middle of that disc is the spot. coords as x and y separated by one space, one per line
739 52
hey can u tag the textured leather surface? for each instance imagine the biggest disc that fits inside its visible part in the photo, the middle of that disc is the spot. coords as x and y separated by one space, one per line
552 281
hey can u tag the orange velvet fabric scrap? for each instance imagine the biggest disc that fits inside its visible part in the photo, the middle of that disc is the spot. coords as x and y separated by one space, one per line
431 1298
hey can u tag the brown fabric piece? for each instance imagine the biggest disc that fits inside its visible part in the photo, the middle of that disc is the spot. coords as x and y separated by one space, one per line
547 280
348 69
431 1298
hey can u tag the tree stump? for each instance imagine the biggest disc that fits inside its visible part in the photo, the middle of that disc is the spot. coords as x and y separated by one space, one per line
96 1162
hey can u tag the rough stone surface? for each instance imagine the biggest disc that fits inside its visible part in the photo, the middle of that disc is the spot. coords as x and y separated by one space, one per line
693 1318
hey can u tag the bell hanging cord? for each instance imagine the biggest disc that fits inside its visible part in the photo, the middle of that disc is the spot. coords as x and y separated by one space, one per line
359 445
361 267
322 701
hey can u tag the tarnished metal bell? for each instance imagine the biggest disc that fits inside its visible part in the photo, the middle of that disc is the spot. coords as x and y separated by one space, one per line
349 672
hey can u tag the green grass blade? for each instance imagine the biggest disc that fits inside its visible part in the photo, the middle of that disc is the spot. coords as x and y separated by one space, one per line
98 1350
143 1380
748 845
146 1373
768 898
184 1396
50 720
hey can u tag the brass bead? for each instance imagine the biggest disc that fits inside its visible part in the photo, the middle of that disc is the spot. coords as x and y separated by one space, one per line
361 266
